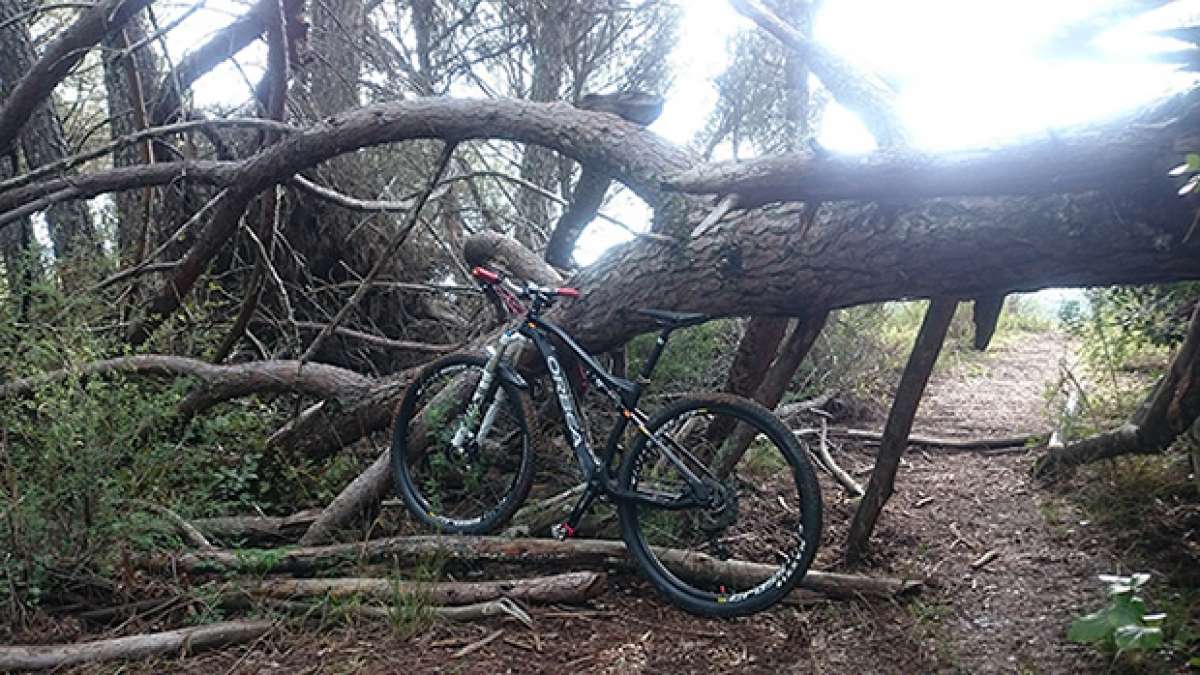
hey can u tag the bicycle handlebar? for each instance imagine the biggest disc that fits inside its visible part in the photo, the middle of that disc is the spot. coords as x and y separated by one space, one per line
530 291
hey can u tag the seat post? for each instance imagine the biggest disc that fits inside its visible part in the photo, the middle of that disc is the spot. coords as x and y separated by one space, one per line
659 345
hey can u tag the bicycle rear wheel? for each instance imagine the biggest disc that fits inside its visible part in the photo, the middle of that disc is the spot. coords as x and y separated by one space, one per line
765 509
474 486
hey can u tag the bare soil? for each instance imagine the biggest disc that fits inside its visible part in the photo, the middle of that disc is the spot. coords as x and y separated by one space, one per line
1008 564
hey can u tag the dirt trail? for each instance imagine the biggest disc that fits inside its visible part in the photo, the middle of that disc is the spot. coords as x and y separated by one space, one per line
1011 562
951 510
999 392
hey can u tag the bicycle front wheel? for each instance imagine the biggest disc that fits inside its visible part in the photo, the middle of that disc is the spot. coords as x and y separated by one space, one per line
761 504
460 467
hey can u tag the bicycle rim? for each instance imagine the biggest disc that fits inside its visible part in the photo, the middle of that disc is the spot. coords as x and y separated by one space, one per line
475 486
765 511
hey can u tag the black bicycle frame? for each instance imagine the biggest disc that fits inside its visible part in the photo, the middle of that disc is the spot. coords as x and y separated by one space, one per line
624 394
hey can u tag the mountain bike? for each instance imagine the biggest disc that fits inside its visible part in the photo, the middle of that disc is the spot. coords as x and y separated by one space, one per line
710 478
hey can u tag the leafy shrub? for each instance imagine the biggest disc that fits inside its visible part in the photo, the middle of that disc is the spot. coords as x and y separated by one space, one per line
1123 624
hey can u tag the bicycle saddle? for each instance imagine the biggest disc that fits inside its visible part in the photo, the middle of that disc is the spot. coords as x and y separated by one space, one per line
674 319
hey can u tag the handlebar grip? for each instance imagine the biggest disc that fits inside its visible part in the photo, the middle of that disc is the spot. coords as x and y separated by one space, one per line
484 274
566 292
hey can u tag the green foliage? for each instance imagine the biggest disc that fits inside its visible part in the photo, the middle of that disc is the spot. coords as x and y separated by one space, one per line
1191 169
696 358
1126 336
1123 625
80 458
863 349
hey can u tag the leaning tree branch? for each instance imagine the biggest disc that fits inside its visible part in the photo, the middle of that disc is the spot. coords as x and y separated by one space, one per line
223 44
899 423
218 383
58 59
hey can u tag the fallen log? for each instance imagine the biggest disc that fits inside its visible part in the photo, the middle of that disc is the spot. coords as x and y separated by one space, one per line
569 587
934 441
537 517
531 551
175 642
479 610
257 529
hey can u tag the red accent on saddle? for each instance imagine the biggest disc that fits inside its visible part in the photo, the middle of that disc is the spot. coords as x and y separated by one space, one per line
484 274
569 530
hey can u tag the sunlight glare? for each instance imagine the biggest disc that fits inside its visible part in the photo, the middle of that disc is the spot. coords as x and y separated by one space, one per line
971 74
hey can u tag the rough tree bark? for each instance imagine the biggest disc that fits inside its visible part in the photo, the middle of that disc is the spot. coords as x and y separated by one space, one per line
59 58
42 141
175 642
985 313
846 246
568 587
527 551
128 78
899 423
217 383
588 193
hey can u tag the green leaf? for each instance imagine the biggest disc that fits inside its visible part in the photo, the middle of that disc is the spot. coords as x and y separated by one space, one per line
1138 638
1092 628
1193 161
1126 610
1194 662
1189 186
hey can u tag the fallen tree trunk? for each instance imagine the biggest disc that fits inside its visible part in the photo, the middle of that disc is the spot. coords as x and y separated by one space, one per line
528 551
570 587
366 490
170 643
854 254
257 529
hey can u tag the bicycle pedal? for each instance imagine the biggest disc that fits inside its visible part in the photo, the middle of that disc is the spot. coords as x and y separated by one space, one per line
561 531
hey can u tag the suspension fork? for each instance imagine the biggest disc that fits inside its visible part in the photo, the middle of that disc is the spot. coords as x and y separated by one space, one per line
486 381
